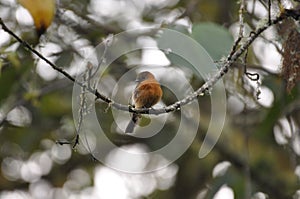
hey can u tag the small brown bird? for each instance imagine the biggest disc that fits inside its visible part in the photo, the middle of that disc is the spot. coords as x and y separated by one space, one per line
146 94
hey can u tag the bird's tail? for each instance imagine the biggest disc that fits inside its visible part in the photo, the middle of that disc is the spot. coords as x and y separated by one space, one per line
132 123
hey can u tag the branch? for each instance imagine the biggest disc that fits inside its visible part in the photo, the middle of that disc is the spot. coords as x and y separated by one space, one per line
231 58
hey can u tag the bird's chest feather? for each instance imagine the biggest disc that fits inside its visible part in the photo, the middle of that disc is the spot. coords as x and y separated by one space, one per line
147 94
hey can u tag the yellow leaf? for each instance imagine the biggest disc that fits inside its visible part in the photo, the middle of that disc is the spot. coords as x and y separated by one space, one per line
42 12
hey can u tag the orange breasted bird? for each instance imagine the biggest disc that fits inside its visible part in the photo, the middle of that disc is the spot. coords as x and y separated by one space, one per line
146 94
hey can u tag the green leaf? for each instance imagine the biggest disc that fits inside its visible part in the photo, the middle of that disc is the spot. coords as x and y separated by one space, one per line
64 59
184 51
11 73
55 105
216 39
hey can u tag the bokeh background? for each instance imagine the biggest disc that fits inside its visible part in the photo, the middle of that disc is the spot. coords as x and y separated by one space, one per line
257 155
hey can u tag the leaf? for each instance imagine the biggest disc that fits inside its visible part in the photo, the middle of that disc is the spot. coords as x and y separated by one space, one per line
65 58
216 39
14 59
42 12
184 51
55 105
11 74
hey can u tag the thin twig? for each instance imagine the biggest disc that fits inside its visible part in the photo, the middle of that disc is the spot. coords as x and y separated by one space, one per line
269 11
107 42
83 103
253 7
263 3
273 42
83 108
251 76
241 29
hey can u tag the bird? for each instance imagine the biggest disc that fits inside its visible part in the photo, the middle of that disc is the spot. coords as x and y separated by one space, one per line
146 94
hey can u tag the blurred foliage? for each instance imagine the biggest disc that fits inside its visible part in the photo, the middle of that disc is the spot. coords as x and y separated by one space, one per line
217 47
260 142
